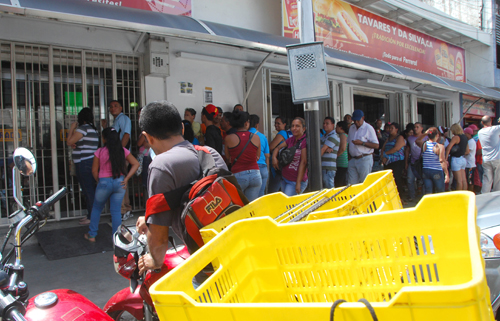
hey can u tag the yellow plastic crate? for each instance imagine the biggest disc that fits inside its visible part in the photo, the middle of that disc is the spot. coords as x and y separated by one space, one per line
422 263
377 193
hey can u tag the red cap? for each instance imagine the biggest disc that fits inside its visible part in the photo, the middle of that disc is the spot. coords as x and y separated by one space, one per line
469 131
211 109
473 127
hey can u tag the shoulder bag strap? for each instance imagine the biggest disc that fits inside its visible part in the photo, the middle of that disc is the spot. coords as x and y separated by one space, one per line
244 147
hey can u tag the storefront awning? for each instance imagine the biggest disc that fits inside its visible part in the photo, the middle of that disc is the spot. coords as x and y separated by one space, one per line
122 18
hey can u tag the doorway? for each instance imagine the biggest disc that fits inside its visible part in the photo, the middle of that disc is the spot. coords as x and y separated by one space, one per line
79 79
374 106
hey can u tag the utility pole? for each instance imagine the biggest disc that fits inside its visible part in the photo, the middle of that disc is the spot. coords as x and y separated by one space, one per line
311 108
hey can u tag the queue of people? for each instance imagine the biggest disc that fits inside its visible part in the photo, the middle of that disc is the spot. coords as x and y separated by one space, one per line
423 161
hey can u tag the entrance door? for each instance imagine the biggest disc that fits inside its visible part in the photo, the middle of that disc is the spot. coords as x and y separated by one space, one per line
77 79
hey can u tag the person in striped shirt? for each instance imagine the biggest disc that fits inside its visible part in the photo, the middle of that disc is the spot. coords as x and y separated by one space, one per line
84 140
329 148
435 167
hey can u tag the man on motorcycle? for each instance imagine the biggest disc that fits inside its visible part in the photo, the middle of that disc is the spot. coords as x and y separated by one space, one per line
176 165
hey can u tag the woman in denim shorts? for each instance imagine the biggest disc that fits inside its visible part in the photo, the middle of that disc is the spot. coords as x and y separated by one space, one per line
457 149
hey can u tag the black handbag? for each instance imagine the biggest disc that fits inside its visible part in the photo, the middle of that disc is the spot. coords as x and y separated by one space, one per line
285 155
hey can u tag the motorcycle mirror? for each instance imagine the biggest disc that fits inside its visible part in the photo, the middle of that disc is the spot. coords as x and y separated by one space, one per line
25 162
126 235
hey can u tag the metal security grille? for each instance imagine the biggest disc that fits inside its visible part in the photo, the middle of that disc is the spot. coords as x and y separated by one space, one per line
42 88
306 61
497 29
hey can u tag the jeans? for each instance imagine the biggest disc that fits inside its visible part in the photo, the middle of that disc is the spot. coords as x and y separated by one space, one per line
433 179
328 178
87 182
107 188
491 176
288 187
274 181
250 183
358 169
264 174
411 177
341 177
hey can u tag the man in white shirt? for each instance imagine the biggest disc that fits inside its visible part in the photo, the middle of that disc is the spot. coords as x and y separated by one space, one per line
489 136
471 157
362 140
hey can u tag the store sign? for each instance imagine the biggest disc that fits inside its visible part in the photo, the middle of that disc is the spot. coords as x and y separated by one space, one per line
290 15
176 7
348 28
7 135
480 108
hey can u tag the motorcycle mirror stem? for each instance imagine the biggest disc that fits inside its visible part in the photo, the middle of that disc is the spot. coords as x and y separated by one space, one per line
25 163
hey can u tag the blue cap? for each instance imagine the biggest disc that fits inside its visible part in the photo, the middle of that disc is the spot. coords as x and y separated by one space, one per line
357 114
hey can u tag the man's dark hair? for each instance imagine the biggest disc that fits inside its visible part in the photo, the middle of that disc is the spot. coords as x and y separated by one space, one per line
228 115
254 120
410 126
161 120
330 119
237 105
207 114
418 123
238 119
343 124
220 110
191 111
115 101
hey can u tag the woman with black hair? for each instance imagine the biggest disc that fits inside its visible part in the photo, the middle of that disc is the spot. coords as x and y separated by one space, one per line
109 170
283 134
84 140
243 150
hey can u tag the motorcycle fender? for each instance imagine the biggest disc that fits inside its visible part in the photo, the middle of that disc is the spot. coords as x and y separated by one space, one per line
124 300
70 305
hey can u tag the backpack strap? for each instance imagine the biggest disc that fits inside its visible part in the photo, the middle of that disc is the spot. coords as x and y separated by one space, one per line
206 159
244 147
297 144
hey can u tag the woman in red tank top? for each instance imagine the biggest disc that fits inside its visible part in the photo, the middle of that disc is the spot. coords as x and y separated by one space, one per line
243 150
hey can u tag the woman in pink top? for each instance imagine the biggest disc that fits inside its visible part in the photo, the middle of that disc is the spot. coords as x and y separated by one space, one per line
109 170
294 175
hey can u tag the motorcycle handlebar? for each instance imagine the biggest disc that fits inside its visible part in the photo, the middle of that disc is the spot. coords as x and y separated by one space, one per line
44 208
15 315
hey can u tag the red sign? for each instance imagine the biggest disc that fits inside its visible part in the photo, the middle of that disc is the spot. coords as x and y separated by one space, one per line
481 107
290 18
176 7
348 28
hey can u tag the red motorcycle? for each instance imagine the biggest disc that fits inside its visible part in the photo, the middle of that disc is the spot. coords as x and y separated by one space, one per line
135 300
52 305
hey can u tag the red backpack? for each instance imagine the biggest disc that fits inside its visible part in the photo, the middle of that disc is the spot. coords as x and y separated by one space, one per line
214 195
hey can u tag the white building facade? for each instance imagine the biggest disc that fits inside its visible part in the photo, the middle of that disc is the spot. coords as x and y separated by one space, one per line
58 56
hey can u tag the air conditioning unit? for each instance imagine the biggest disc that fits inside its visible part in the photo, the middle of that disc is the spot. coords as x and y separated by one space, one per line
156 60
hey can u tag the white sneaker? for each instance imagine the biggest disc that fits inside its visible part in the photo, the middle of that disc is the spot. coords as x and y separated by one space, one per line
127 215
